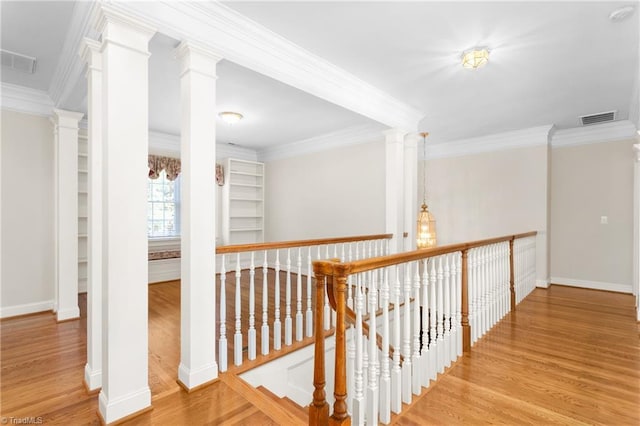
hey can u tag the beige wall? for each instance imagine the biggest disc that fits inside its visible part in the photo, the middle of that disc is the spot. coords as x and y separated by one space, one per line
27 212
587 182
490 195
326 194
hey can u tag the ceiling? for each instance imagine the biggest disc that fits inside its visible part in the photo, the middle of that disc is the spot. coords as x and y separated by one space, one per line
550 63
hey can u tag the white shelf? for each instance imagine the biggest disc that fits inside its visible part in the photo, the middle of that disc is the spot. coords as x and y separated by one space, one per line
243 202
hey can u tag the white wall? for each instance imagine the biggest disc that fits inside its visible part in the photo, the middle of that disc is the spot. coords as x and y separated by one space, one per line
27 214
587 182
490 195
332 193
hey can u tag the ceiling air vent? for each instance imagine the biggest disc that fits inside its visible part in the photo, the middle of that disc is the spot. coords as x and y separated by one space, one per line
601 117
18 62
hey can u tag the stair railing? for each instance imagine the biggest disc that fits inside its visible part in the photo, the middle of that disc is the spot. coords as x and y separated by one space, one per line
277 277
410 316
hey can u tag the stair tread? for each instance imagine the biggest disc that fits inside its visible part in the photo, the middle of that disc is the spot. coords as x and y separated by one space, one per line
287 403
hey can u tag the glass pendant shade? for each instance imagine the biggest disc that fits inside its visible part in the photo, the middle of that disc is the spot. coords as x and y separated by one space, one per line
426 228
475 58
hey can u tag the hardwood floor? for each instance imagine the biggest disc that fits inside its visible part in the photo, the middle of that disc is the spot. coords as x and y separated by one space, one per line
567 356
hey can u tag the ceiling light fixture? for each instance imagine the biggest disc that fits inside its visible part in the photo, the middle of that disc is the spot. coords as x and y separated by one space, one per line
230 117
426 223
621 13
475 57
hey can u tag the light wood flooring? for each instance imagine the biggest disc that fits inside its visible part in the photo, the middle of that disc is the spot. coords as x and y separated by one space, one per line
567 356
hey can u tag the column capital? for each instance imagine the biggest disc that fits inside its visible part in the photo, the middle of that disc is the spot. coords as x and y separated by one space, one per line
123 29
411 140
636 149
66 119
197 57
395 135
89 53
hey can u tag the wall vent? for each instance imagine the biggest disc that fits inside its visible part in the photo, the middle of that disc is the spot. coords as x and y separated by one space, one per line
601 117
18 62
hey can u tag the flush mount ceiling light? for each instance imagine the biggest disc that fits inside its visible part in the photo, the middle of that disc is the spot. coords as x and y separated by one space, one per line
621 13
475 57
230 117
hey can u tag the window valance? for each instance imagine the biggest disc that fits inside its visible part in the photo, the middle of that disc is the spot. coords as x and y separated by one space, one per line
172 168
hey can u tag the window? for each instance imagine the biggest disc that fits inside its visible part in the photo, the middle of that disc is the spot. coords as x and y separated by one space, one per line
163 207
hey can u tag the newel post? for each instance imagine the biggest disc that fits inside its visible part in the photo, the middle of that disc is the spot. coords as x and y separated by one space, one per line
340 415
466 329
319 408
512 288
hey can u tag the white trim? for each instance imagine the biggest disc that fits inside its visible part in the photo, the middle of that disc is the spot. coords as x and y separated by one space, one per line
70 65
496 142
346 137
249 44
191 379
117 408
27 308
164 270
164 243
606 132
92 378
26 100
542 283
595 285
161 143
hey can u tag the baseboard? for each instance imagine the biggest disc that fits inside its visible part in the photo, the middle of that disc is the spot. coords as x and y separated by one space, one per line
126 405
27 308
594 285
542 283
92 378
164 270
190 379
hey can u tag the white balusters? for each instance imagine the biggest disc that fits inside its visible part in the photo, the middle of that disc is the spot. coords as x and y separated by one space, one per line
309 312
372 382
406 337
277 325
459 304
385 373
237 336
396 372
358 397
433 342
287 304
416 373
299 297
252 308
265 305
440 316
446 356
222 343
424 355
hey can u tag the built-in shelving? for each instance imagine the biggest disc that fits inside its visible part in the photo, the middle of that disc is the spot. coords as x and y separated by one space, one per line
83 202
242 202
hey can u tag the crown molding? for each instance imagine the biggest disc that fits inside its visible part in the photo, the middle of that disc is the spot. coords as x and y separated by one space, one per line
346 137
245 42
70 65
497 142
606 132
161 143
26 100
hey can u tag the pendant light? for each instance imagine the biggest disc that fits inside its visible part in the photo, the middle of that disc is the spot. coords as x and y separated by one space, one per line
426 232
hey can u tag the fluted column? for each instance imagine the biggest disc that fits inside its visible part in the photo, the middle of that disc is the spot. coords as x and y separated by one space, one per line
198 237
66 213
125 117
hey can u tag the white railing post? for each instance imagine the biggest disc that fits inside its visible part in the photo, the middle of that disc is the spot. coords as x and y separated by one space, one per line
396 373
406 337
372 382
252 309
446 357
433 335
222 344
299 325
459 304
358 397
287 304
277 325
424 356
416 385
237 337
309 319
385 374
440 316
265 306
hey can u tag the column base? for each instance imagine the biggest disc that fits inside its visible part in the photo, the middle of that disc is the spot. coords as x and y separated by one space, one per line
190 379
92 379
542 283
68 314
124 406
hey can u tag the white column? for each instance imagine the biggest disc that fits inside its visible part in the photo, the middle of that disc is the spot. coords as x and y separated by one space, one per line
90 53
125 116
394 194
410 190
66 214
197 295
636 228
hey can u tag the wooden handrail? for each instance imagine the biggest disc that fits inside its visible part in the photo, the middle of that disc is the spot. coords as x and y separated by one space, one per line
239 248
395 259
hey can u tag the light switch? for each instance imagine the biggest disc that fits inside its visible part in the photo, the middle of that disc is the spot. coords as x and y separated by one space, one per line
604 220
